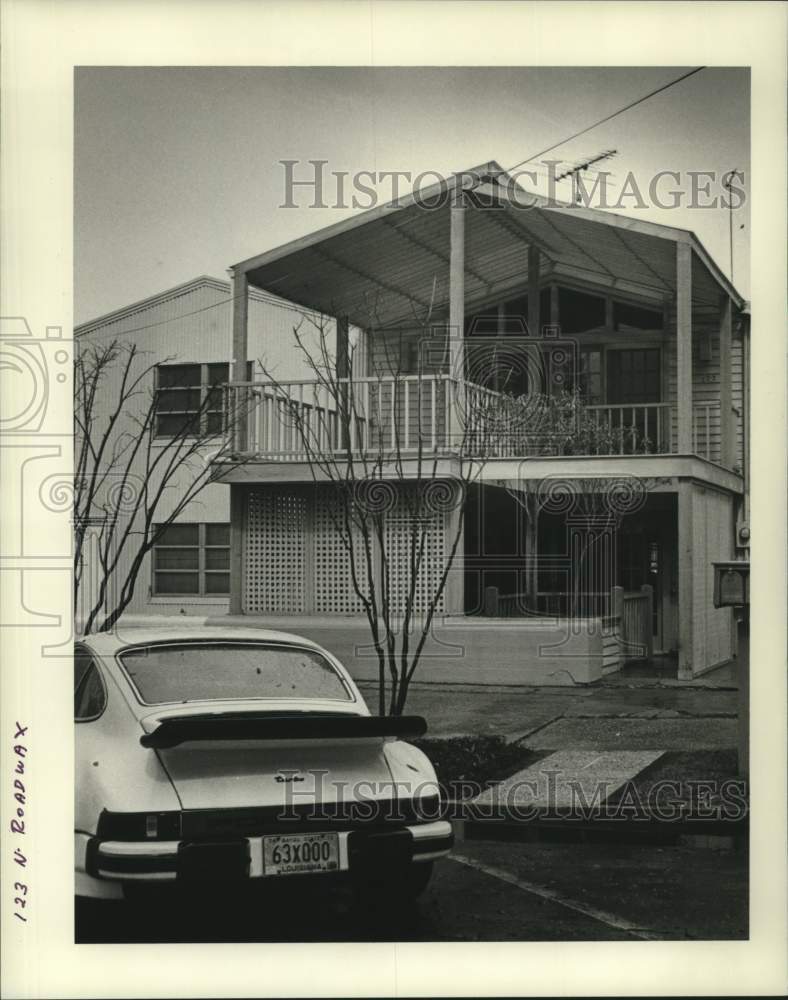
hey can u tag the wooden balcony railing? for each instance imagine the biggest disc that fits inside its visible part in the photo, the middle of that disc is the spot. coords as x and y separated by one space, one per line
438 414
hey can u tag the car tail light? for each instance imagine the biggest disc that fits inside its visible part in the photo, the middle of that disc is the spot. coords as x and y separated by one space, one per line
139 826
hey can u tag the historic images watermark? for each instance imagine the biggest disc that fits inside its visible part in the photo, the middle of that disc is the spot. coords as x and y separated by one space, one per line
312 796
312 184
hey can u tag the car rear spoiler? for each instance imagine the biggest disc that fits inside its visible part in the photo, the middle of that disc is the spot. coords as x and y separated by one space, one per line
186 729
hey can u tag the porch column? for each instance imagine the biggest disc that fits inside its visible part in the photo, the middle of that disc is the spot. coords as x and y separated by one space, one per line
534 328
727 441
454 594
344 399
684 347
239 290
457 316
555 317
238 495
686 500
500 333
343 347
532 552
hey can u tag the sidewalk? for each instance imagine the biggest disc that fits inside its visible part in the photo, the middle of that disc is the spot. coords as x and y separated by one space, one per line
632 713
547 748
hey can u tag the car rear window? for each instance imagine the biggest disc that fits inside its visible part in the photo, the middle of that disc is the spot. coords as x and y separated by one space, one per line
185 672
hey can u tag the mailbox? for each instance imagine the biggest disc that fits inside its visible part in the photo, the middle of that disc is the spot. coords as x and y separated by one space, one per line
731 584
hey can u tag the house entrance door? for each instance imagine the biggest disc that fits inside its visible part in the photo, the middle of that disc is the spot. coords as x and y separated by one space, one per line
641 561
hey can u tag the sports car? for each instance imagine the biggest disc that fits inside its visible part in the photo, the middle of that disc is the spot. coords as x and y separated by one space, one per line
235 754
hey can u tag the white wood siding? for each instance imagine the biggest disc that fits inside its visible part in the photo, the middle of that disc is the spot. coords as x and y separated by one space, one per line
712 528
192 324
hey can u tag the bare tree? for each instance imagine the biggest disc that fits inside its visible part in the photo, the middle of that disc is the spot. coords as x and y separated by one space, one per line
124 471
380 446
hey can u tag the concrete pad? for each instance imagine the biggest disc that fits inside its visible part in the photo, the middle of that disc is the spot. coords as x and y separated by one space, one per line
636 734
569 778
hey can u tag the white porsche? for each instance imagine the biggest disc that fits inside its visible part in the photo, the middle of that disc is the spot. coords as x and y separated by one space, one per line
232 754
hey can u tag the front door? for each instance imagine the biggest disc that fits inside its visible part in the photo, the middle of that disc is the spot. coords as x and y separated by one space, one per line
645 552
640 563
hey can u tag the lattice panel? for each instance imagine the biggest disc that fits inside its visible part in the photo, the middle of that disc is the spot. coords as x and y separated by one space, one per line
398 540
275 558
334 592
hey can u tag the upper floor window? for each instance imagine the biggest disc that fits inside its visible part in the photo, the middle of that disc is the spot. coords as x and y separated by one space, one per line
189 398
192 559
629 317
589 376
580 311
633 375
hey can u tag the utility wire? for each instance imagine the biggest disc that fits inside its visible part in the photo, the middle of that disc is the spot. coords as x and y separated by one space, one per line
602 121
274 302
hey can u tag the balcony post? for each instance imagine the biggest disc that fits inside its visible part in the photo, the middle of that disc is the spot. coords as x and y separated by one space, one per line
684 347
456 331
727 442
534 327
345 399
238 504
239 291
686 503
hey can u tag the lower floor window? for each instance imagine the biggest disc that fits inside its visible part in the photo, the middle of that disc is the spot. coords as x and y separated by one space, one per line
192 559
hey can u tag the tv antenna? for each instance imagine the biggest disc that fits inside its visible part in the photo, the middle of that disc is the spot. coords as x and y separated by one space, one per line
583 165
728 184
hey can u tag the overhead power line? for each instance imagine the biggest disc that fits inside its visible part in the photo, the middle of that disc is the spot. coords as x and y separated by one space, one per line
282 305
607 118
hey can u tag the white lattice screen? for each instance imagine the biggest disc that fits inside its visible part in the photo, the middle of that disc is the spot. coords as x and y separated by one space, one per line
399 530
334 593
275 552
295 562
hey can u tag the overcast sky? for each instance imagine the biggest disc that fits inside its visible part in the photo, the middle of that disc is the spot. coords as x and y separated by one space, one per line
177 170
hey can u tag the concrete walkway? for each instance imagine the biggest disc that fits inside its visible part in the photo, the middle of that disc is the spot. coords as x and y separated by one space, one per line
663 717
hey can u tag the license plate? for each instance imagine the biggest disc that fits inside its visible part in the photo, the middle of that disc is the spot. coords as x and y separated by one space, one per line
292 854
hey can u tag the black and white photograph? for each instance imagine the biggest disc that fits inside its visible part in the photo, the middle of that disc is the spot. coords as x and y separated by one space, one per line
407 504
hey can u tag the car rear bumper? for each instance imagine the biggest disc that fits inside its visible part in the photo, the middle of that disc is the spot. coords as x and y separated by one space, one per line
359 851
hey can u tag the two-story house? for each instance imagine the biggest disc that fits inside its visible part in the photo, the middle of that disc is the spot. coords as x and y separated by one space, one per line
478 314
181 335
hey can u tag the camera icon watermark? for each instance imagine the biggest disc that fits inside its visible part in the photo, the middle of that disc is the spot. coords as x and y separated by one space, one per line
35 384
28 366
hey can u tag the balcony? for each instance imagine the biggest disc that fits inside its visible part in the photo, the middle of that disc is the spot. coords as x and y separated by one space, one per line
440 415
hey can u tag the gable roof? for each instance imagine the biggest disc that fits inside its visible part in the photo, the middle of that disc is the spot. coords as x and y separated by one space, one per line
168 295
203 281
389 264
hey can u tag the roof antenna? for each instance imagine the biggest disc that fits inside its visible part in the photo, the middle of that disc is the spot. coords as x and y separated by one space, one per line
728 184
575 171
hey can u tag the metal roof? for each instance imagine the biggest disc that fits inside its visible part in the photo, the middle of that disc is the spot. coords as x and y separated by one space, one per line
390 265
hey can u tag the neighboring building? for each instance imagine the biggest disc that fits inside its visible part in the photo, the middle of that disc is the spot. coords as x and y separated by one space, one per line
656 338
186 331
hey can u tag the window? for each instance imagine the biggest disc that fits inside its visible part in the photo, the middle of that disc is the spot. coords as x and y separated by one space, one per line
90 696
633 376
189 398
579 311
629 317
589 376
192 559
205 671
82 660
